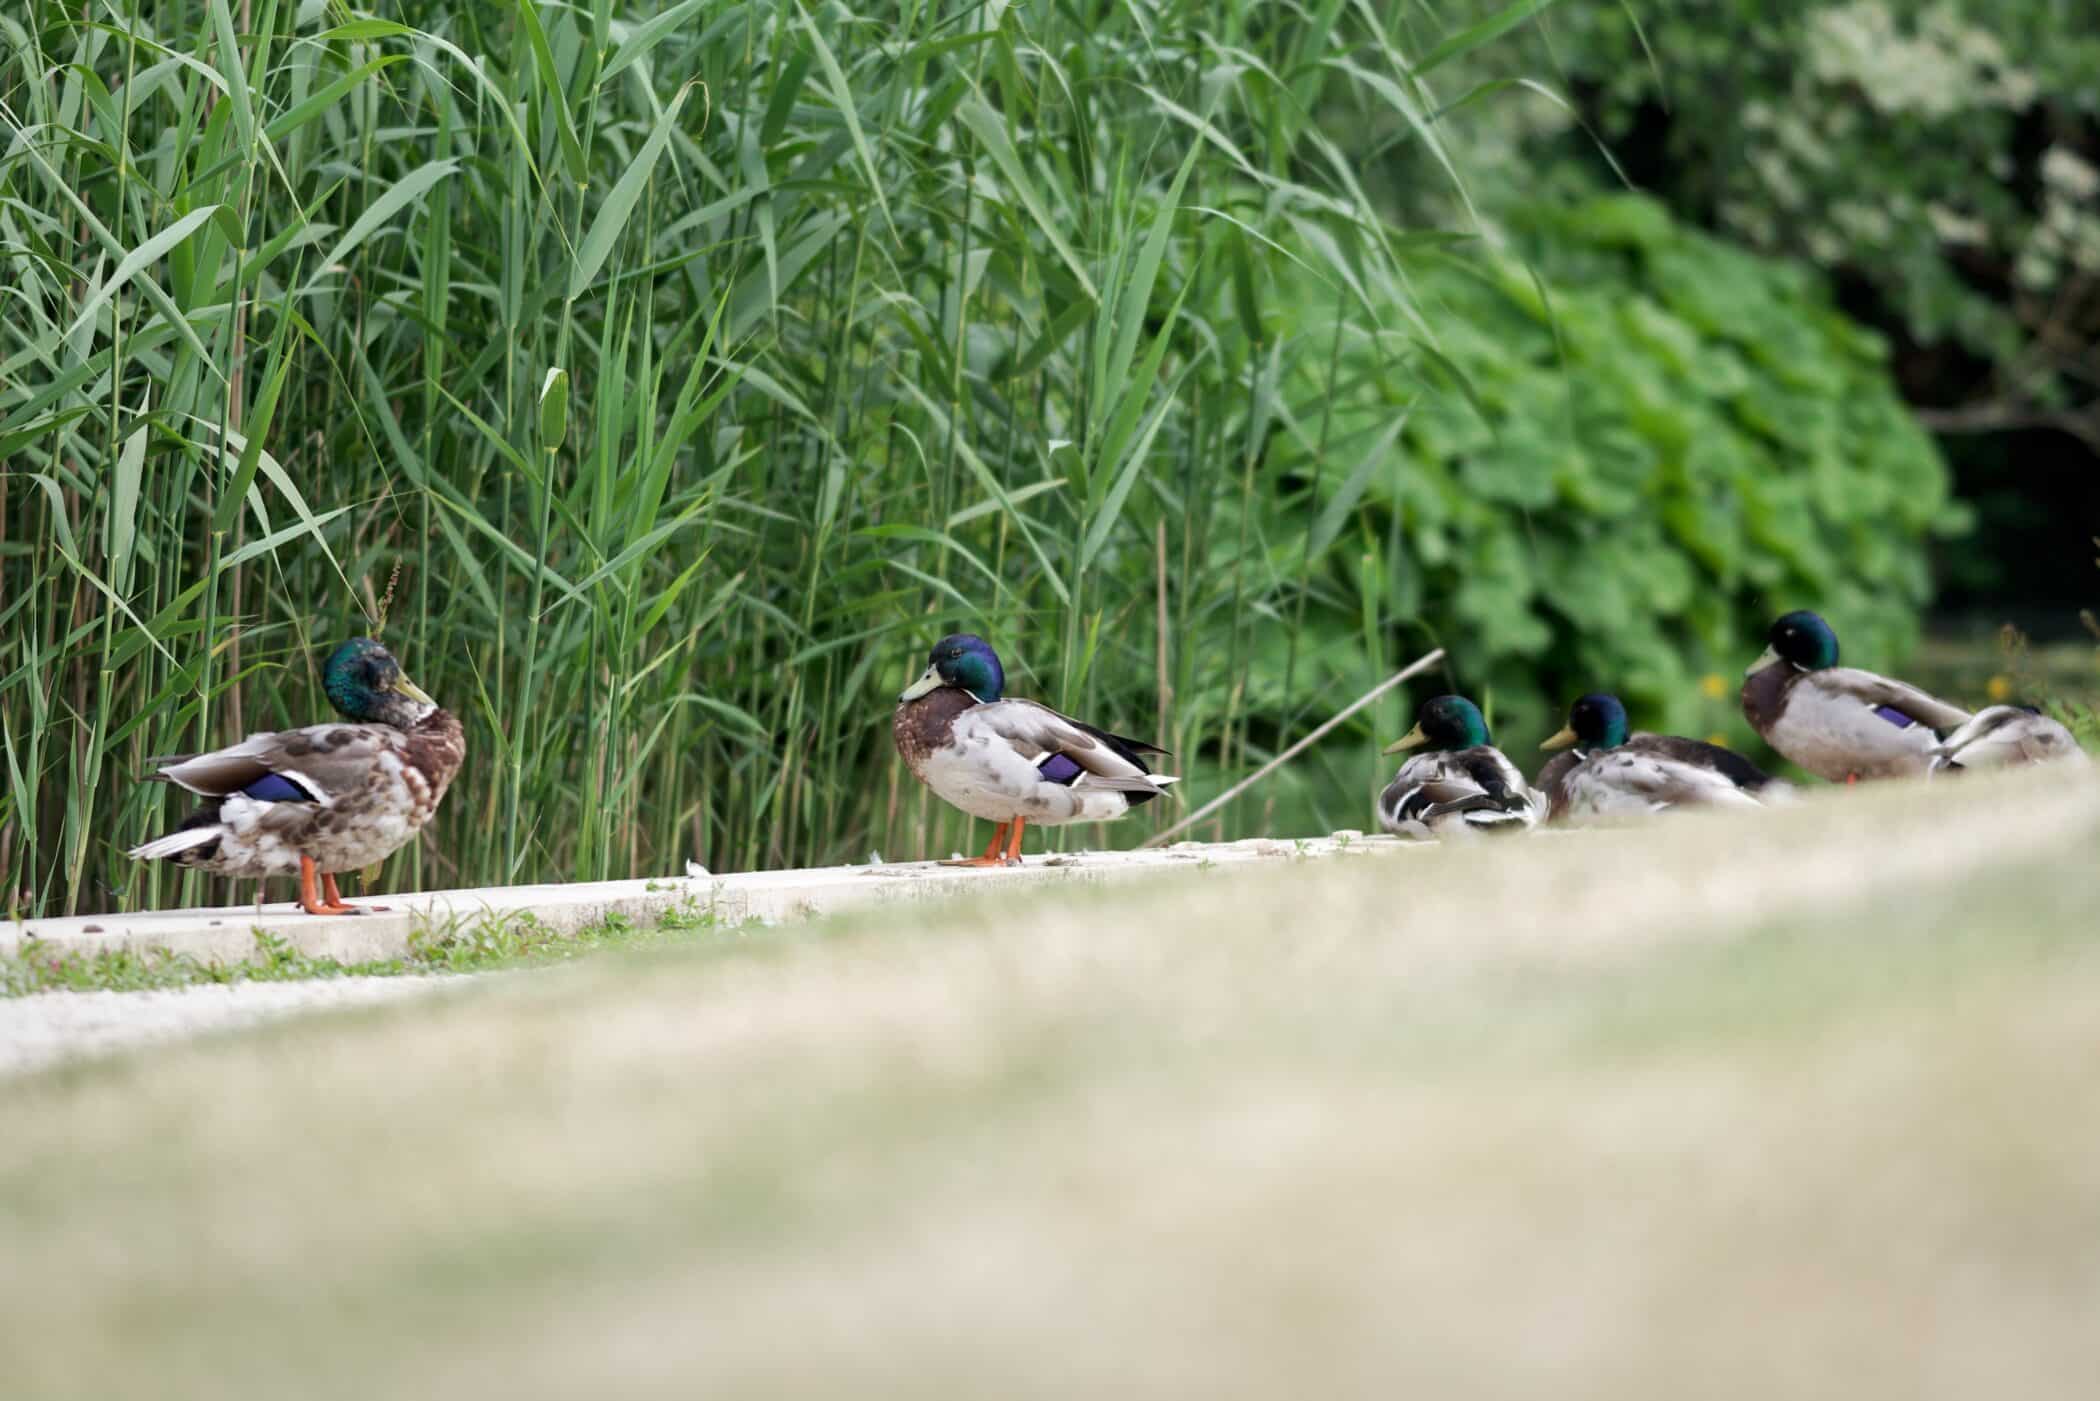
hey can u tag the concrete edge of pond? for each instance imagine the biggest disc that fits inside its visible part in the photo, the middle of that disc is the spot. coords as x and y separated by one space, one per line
227 934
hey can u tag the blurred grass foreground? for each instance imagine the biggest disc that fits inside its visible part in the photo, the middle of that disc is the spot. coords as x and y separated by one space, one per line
1725 1108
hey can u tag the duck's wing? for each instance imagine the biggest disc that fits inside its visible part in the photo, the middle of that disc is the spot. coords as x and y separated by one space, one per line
1043 737
1503 782
1661 781
2004 734
1446 776
1552 782
1490 770
1897 702
312 765
1426 786
1985 724
1698 753
1480 785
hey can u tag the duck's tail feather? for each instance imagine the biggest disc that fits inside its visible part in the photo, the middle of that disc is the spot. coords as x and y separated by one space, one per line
1151 784
1123 744
177 842
1154 785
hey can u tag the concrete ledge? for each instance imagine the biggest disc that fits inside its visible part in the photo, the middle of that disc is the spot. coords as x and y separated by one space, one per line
227 934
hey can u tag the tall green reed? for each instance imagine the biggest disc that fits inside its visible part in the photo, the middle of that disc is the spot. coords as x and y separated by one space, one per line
659 385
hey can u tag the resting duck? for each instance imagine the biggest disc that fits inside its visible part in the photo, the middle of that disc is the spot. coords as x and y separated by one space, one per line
1999 736
1012 762
328 798
1462 784
1837 722
1612 772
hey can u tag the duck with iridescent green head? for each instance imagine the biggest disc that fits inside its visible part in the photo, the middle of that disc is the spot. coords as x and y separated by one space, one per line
323 799
1610 769
1460 784
1011 761
1838 722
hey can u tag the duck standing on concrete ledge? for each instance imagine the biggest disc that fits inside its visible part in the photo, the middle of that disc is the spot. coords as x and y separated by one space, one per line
1012 762
1837 722
323 799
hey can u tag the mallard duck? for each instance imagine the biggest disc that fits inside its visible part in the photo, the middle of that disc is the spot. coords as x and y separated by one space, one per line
1612 771
2000 736
1461 784
1012 762
1837 722
327 798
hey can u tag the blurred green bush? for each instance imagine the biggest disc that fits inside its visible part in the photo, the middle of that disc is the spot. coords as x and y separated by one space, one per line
1942 160
1622 449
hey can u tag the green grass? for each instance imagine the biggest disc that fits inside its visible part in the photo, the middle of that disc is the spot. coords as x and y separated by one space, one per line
475 944
660 381
1719 1107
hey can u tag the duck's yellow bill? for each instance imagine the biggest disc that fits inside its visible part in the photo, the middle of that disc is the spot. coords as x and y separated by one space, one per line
1409 740
1561 740
1764 659
929 680
414 692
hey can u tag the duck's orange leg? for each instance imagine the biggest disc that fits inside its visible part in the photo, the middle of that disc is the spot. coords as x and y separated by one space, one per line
1013 842
309 892
334 897
991 855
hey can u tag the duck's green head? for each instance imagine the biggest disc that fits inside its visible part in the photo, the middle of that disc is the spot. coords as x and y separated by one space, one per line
1444 722
1597 721
1800 638
962 660
365 683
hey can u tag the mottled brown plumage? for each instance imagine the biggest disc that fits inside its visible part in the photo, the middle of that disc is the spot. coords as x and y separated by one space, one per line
1765 693
322 799
923 725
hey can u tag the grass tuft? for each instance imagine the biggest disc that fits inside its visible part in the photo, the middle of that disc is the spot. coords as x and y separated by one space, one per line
458 944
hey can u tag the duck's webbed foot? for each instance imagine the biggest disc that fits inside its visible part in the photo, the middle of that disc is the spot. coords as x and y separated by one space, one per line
343 907
1004 849
310 898
991 856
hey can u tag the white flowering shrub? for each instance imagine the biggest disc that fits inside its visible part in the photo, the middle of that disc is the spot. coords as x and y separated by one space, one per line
1940 159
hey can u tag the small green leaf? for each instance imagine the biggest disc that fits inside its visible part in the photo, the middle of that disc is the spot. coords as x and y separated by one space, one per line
557 99
612 215
554 409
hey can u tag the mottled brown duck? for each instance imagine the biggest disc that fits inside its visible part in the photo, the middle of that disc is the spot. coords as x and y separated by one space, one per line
323 799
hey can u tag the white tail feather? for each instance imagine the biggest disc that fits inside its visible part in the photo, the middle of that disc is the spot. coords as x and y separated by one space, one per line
161 847
1135 783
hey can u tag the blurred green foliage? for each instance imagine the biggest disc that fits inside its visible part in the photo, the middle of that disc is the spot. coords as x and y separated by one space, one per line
1633 446
690 369
1942 158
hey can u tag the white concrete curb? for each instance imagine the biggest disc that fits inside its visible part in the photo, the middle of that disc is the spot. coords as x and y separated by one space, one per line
227 934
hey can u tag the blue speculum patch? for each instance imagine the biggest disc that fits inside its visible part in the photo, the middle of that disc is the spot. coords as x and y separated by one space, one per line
1058 769
1894 717
276 788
